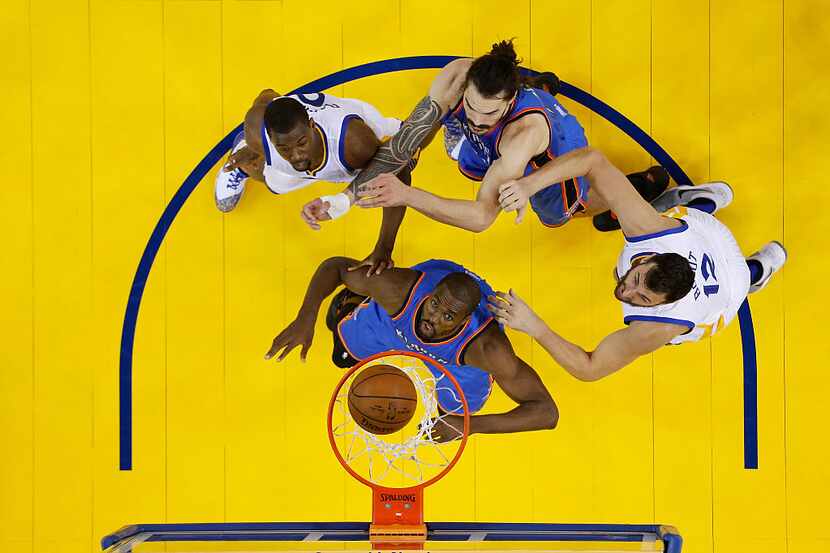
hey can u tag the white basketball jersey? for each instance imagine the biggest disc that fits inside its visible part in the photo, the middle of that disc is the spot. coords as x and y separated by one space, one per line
721 274
331 116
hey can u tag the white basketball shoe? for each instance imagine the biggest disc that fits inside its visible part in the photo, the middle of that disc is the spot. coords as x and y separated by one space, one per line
718 192
771 257
230 184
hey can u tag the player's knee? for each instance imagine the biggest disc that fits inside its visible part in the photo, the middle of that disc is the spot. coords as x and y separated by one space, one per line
596 157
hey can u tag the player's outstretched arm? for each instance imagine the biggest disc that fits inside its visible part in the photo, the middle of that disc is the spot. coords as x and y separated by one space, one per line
361 146
614 352
636 216
535 409
388 289
388 190
515 194
525 140
381 257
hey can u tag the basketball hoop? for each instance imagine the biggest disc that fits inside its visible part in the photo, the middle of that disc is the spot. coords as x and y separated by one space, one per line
397 467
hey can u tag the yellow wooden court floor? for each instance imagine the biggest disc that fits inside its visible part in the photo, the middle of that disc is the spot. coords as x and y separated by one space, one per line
107 105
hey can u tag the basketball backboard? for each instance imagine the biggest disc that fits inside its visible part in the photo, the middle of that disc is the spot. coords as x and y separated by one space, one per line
396 468
354 536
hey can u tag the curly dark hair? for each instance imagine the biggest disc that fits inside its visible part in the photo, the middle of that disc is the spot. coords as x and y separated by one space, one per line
670 274
496 74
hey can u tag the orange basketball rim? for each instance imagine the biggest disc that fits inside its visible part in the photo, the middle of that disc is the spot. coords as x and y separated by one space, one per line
398 511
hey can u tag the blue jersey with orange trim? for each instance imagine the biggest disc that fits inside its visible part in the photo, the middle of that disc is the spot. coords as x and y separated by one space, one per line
369 329
554 204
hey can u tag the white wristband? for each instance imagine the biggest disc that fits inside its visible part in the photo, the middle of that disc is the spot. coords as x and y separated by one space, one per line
339 204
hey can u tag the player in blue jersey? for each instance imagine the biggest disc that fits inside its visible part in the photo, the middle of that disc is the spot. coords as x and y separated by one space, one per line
510 130
436 308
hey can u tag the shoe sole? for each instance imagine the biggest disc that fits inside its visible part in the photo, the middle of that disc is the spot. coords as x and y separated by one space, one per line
731 192
780 245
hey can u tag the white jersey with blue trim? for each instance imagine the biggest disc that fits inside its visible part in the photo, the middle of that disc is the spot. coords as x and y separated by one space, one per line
330 116
721 274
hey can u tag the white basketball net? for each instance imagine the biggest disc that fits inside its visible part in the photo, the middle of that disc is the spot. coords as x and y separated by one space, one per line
412 455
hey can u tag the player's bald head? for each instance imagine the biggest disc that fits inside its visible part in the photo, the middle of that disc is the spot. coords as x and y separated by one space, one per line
463 288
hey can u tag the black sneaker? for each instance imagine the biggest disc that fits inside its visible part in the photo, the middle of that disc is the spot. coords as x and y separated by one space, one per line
649 183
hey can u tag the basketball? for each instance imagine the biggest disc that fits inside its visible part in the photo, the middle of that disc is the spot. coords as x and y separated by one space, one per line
382 399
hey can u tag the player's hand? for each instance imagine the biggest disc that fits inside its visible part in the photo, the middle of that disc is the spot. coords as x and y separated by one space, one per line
299 333
315 212
511 310
378 261
447 428
514 196
245 159
385 190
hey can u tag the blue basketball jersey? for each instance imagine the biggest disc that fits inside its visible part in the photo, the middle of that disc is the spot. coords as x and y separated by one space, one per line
555 204
369 329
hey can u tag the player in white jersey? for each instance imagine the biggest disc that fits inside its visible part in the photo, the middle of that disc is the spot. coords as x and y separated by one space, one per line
291 141
680 277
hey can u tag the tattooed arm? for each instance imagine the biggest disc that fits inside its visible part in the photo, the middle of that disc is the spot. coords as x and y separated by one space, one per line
421 125
396 156
418 129
390 157
416 132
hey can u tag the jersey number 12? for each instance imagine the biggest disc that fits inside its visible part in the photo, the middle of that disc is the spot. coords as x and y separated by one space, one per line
707 268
